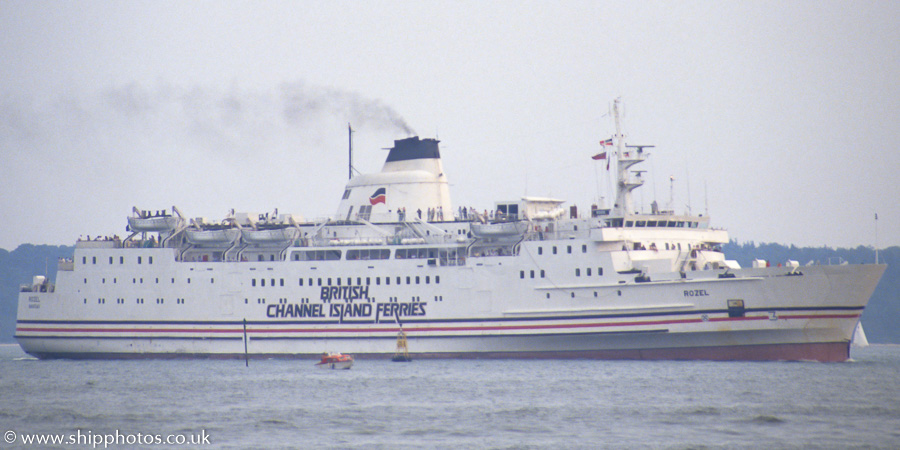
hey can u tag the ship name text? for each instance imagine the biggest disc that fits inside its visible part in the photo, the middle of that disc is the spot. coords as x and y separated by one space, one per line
696 293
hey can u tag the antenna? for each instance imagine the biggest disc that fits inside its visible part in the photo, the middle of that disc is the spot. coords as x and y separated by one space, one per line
705 199
671 193
350 145
688 171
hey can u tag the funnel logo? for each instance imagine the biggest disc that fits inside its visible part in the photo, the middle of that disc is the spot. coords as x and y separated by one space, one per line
379 196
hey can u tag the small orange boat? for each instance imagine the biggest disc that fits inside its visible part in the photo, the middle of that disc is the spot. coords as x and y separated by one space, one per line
335 361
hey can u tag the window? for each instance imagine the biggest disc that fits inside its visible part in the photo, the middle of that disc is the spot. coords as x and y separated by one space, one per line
346 195
521 274
584 248
532 274
577 272
365 254
588 271
554 249
318 255
540 250
253 282
121 260
568 249
262 282
599 271
139 259
301 282
110 259
94 259
364 212
437 279
542 273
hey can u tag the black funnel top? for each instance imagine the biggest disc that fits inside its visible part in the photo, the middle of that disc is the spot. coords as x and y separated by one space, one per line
414 148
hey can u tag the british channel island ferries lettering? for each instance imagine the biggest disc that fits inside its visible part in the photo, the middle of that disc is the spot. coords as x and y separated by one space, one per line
531 279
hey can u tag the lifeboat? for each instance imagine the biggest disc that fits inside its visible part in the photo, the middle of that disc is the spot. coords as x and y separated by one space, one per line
335 361
269 236
222 236
499 229
155 224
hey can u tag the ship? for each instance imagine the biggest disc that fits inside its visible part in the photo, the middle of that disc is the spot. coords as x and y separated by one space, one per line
532 278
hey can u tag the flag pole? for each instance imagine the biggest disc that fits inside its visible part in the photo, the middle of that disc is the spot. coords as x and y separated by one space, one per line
876 238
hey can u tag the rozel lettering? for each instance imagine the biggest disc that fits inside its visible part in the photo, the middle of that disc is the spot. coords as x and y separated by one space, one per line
696 293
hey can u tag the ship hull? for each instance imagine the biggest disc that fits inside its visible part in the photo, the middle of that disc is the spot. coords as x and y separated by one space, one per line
783 317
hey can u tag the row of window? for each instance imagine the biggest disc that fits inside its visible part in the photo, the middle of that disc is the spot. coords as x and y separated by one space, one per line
587 272
568 249
661 223
140 260
365 254
337 281
141 281
139 301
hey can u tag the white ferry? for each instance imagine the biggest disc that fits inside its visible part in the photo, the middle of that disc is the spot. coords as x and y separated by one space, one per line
531 279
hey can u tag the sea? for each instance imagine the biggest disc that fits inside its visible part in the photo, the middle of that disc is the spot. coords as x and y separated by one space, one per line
288 403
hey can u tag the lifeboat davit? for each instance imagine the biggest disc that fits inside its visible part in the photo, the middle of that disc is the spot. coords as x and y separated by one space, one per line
335 361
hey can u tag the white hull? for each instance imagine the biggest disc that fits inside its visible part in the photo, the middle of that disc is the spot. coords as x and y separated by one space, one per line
783 316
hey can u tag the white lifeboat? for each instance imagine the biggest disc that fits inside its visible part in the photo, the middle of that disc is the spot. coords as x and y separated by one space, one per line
153 222
269 236
499 229
220 236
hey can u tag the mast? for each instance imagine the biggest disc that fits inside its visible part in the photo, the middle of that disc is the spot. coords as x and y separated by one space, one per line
626 156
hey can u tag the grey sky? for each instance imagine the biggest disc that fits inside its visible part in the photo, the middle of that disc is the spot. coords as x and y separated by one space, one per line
782 117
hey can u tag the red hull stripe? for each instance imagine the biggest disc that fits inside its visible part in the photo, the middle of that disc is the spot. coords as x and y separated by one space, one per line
429 329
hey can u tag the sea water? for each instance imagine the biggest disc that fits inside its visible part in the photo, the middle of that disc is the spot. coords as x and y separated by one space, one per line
283 403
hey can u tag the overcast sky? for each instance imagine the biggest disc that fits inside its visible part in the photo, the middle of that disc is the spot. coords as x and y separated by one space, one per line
781 119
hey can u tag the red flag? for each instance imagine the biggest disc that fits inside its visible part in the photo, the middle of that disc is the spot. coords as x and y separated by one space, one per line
606 142
599 156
